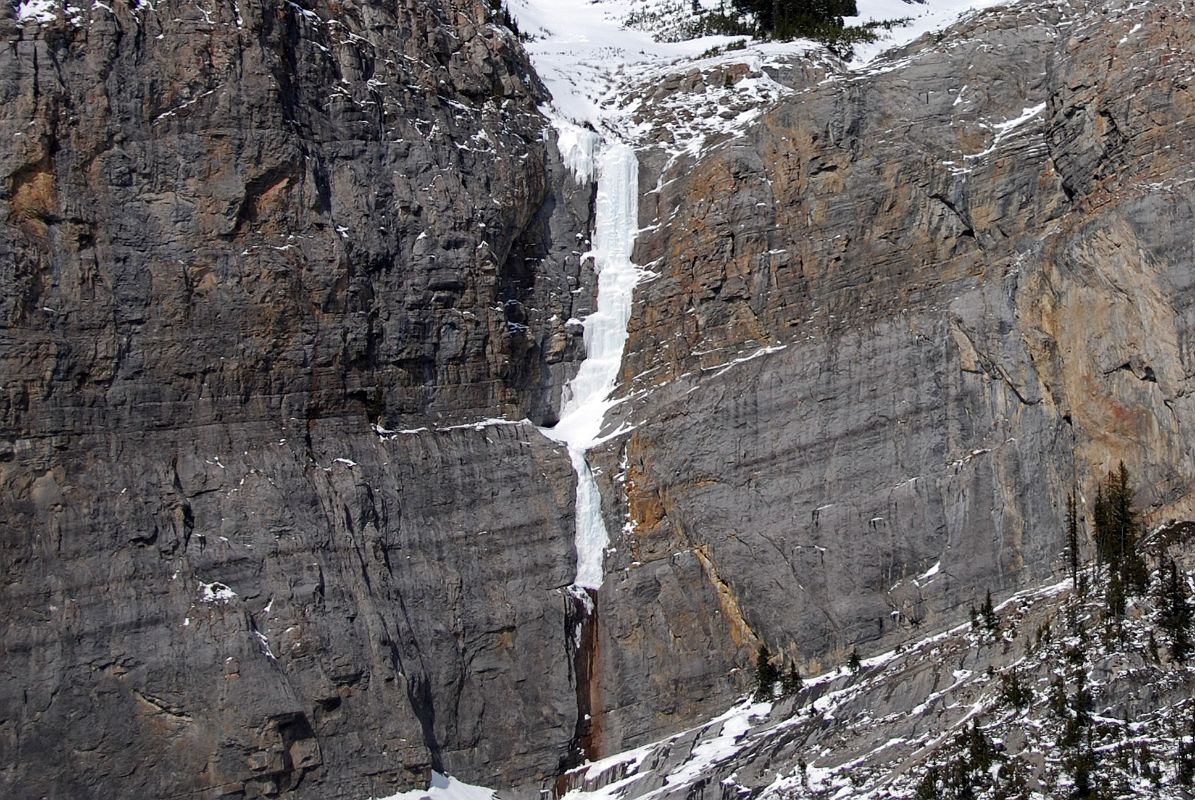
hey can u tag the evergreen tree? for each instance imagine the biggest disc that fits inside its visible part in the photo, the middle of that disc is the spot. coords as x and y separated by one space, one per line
790 684
1185 771
786 19
1117 526
989 613
1057 698
1077 713
1081 765
927 788
854 664
980 751
1013 691
1176 614
765 675
1115 597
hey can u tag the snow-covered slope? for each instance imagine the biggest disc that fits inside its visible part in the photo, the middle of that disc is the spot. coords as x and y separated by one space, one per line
1046 697
588 53
921 18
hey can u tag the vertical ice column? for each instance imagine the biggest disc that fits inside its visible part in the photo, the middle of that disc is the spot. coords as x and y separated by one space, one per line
587 394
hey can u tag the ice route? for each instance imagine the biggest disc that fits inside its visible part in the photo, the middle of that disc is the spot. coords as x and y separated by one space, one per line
587 395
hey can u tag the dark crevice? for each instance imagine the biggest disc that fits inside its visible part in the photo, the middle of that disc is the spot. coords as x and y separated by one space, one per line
582 636
1144 373
419 692
1025 401
968 228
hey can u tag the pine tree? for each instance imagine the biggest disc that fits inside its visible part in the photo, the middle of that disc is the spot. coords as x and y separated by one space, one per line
1081 764
989 613
1013 691
1115 597
790 684
765 675
1117 527
1176 614
791 18
927 788
980 752
1185 772
1058 697
854 664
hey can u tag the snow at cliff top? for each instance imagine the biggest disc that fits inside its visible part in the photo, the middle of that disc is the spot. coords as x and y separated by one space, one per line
584 51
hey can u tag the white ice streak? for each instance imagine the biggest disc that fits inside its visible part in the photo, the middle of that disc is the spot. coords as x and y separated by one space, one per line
264 644
1005 129
587 396
929 574
386 433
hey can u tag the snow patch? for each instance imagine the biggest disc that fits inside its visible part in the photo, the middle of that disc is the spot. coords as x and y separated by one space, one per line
215 593
928 575
36 10
445 787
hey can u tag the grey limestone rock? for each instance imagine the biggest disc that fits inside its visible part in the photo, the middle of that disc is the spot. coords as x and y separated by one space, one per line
267 266
893 324
233 241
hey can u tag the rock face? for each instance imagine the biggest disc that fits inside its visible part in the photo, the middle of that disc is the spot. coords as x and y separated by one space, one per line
266 266
893 325
231 242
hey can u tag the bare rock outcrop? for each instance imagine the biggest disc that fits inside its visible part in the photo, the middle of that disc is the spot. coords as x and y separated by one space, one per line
893 325
279 279
234 240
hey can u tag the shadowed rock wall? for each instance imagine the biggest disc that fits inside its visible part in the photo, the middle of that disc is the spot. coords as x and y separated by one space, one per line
232 240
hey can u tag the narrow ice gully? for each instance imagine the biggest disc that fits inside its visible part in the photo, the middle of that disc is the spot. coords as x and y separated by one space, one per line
578 50
587 396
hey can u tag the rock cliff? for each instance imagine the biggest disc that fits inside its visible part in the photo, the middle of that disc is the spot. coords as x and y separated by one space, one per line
282 280
240 244
893 323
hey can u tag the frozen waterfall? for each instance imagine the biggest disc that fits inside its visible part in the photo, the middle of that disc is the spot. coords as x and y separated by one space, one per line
586 397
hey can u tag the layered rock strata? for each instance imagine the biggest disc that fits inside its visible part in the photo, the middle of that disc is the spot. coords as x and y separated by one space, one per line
240 245
893 325
266 267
